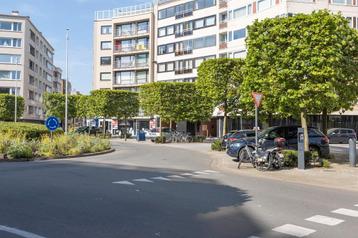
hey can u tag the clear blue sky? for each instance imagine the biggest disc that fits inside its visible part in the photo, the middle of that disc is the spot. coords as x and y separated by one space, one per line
52 17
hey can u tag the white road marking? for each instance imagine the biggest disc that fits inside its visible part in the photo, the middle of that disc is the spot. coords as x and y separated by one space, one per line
124 183
330 221
253 237
187 174
346 212
210 171
161 178
200 173
18 232
294 230
144 180
356 205
175 176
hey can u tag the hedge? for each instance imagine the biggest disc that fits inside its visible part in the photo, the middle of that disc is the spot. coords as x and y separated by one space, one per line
29 130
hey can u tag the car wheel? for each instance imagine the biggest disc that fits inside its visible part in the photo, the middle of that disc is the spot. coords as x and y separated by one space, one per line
243 156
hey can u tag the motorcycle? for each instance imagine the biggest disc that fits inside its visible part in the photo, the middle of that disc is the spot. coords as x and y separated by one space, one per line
272 158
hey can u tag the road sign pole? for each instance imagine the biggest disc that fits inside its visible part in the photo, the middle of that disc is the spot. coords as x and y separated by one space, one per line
51 136
256 127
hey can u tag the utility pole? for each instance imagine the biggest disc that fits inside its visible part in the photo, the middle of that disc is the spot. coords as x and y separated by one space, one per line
66 83
15 116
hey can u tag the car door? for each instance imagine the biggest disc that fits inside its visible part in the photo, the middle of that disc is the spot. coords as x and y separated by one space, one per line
291 139
334 137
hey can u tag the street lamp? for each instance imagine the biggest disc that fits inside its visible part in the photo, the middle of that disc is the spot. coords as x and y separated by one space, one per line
15 116
66 83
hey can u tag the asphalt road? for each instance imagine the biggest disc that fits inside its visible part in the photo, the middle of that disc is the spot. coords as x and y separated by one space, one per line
152 191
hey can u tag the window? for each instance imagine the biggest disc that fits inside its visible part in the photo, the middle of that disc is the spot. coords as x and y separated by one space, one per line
31 80
170 30
31 95
165 49
263 5
161 68
125 77
239 54
240 12
203 42
199 23
142 76
162 31
166 13
142 60
10 42
31 65
170 66
106 30
200 4
106 60
32 36
241 33
210 21
106 45
105 76
143 27
342 2
32 50
197 62
10 26
249 9
9 59
9 75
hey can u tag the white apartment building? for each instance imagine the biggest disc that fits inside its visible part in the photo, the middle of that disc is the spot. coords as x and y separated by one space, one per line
26 63
123 47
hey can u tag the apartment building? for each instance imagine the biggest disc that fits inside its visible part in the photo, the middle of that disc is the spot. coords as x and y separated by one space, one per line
123 47
26 63
56 81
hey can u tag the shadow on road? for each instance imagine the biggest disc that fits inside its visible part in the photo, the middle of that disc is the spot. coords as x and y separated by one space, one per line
76 199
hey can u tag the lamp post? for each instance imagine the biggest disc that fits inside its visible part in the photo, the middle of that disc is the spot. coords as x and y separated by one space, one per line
66 83
15 116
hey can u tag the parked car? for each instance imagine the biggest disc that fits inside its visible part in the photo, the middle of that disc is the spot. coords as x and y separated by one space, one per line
226 136
86 129
237 135
341 135
155 133
317 141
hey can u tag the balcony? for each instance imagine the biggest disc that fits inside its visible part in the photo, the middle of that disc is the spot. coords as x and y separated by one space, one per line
223 45
183 52
222 4
183 71
130 48
185 13
132 81
223 25
131 33
130 65
184 33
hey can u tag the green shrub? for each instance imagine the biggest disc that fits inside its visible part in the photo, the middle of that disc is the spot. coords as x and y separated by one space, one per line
100 145
160 139
20 150
28 130
290 158
74 151
47 148
326 164
5 141
216 145
199 138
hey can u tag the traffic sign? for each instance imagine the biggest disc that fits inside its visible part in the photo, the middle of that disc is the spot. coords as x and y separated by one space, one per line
52 123
257 98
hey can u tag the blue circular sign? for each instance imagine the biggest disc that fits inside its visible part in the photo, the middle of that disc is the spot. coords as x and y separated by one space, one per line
52 123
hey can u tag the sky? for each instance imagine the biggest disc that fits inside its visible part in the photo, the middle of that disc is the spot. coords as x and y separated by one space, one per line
53 17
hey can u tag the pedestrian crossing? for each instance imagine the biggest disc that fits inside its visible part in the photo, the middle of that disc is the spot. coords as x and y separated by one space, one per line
169 178
294 230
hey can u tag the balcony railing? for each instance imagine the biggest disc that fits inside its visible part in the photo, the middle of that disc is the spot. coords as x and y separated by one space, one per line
183 52
222 3
133 32
185 13
223 25
130 48
132 81
184 33
133 64
223 45
124 11
183 71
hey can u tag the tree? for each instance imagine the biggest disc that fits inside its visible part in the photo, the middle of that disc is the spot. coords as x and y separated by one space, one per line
103 104
174 101
302 64
55 105
127 106
82 106
7 107
218 82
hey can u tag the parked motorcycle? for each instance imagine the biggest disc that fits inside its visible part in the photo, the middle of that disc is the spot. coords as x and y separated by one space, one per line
267 159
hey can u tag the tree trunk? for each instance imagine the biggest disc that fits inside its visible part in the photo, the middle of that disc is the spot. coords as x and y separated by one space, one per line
125 129
225 120
324 121
170 124
305 130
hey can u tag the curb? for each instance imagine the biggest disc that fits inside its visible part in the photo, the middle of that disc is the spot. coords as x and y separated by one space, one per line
61 157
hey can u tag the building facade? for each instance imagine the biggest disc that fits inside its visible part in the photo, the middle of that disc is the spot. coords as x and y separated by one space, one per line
26 63
123 47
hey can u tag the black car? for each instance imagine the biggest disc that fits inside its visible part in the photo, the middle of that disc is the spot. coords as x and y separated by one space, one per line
317 140
236 136
88 130
341 135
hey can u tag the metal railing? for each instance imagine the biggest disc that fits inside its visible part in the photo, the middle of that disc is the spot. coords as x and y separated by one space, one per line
124 11
183 71
132 32
132 81
130 48
184 13
132 64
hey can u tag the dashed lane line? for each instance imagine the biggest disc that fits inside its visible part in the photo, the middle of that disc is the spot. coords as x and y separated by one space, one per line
330 221
293 230
356 205
144 180
124 183
210 171
201 173
18 232
161 178
175 176
346 212
187 174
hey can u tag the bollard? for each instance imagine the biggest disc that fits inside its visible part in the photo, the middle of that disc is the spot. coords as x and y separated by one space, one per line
301 148
352 152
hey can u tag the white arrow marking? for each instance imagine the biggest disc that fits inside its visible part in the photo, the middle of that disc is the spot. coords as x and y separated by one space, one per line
187 174
19 232
144 180
175 176
124 183
161 178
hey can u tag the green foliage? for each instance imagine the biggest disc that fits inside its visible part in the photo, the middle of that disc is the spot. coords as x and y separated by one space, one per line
160 139
19 150
326 164
199 138
290 158
55 105
174 101
7 107
302 64
28 130
216 145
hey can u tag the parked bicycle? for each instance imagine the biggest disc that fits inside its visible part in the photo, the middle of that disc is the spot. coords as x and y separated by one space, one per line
180 137
266 159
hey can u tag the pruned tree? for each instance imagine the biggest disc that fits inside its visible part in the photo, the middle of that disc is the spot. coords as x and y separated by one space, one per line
7 107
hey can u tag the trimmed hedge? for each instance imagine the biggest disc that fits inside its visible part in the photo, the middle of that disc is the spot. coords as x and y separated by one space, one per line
30 131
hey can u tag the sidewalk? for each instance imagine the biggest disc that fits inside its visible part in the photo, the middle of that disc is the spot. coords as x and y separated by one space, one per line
339 176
